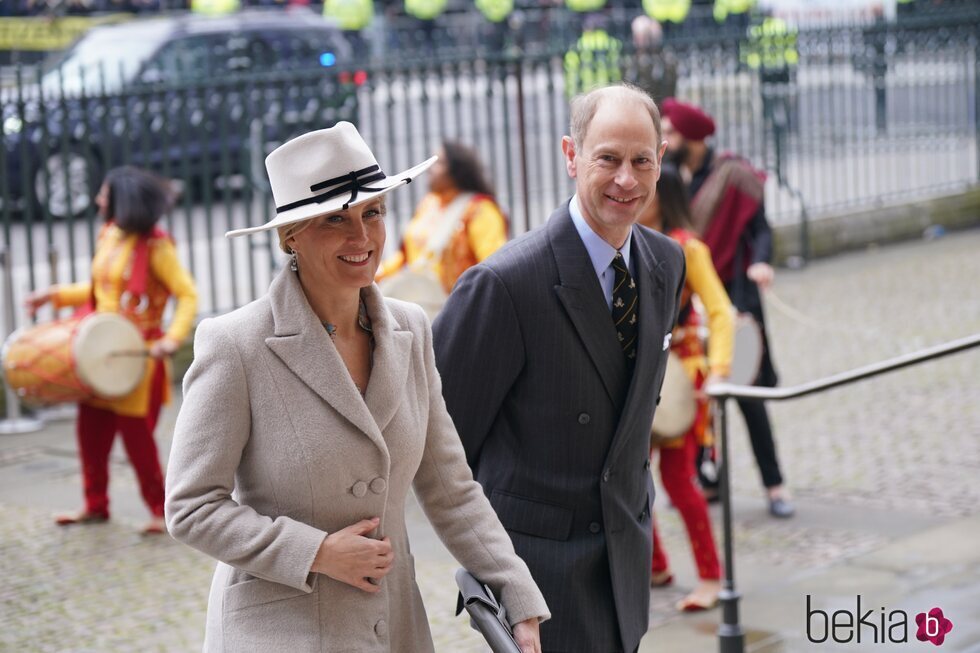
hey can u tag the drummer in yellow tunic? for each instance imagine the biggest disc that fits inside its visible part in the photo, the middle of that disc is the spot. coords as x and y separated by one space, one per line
671 215
135 270
456 225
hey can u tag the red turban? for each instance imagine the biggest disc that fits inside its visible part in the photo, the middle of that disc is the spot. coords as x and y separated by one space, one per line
691 122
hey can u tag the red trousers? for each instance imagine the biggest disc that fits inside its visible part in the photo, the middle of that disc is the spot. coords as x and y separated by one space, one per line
96 429
677 473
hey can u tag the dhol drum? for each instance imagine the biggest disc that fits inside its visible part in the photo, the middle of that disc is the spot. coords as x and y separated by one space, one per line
747 354
677 408
416 287
101 355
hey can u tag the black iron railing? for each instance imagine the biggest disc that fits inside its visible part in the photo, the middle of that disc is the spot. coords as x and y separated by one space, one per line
731 637
872 113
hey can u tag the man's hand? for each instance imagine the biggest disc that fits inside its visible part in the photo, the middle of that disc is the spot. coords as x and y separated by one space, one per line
761 274
528 635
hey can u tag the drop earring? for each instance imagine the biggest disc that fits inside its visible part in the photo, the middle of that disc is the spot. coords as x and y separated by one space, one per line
293 265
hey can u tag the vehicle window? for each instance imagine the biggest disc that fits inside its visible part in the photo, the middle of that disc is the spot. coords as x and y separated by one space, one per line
102 59
204 56
300 49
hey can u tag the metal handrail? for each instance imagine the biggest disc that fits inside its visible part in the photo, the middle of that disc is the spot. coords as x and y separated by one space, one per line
724 391
731 636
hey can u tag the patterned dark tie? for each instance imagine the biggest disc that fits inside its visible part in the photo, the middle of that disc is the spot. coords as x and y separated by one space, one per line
624 305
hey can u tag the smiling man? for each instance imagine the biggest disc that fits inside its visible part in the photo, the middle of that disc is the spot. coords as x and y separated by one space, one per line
552 354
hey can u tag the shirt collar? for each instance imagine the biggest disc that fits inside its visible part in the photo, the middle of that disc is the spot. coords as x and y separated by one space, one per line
600 252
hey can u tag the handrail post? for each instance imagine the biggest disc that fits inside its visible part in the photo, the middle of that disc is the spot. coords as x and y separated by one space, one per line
731 637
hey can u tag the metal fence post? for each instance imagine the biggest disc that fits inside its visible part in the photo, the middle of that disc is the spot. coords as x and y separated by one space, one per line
731 637
522 137
14 422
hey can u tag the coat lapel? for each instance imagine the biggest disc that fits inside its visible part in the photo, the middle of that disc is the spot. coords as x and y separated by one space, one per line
302 343
652 288
392 353
581 295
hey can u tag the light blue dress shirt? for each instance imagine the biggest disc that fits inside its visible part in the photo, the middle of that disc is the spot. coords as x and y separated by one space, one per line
601 252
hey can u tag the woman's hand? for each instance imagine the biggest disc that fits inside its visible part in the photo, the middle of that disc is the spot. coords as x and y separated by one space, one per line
350 557
528 635
36 300
713 378
163 347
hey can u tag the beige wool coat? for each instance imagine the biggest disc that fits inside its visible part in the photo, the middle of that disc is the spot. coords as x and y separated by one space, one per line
275 448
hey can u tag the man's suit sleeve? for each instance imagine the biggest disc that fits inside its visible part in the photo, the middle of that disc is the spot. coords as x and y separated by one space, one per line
479 353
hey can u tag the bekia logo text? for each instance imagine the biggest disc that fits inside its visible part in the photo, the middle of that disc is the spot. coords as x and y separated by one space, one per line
874 625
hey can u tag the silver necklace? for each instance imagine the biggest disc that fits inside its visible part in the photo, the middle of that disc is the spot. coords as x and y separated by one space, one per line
363 321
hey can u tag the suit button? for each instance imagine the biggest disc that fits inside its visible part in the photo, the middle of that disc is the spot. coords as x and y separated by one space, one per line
646 464
584 418
643 515
605 476
379 485
381 628
658 400
594 527
359 489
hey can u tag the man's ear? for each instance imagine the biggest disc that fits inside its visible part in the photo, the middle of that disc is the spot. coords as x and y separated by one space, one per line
568 149
660 154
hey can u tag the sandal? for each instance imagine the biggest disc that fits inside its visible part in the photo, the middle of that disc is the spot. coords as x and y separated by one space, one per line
698 601
80 517
155 526
661 578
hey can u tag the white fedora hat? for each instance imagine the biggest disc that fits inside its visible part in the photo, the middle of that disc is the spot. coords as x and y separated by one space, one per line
326 171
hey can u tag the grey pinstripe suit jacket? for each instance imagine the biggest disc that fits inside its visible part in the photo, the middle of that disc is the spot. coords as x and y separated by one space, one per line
556 430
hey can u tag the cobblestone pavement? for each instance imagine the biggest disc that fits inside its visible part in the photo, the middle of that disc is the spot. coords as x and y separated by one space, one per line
867 463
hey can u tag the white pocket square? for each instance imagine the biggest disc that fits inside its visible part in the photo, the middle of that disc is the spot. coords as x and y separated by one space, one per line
667 340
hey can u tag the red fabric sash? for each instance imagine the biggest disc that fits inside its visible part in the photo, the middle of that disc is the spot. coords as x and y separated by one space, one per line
723 208
140 270
723 235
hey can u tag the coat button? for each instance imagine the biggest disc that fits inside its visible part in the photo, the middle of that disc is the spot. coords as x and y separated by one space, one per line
643 515
594 527
658 400
646 464
605 476
359 489
379 485
584 418
381 628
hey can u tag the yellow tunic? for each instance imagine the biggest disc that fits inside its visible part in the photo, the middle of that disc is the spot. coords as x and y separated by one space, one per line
482 231
111 268
703 281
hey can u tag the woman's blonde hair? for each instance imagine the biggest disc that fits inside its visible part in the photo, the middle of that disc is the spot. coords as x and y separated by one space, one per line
287 231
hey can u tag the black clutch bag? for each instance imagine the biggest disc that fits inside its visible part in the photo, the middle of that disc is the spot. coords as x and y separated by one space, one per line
486 614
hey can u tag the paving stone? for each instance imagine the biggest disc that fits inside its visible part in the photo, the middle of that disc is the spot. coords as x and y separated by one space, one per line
901 449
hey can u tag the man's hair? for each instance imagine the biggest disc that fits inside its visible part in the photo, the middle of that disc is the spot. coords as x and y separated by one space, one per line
584 106
647 33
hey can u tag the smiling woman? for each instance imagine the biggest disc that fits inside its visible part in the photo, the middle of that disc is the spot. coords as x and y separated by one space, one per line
307 418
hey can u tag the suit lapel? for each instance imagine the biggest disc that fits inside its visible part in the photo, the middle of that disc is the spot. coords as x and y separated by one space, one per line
303 345
581 295
392 353
652 287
